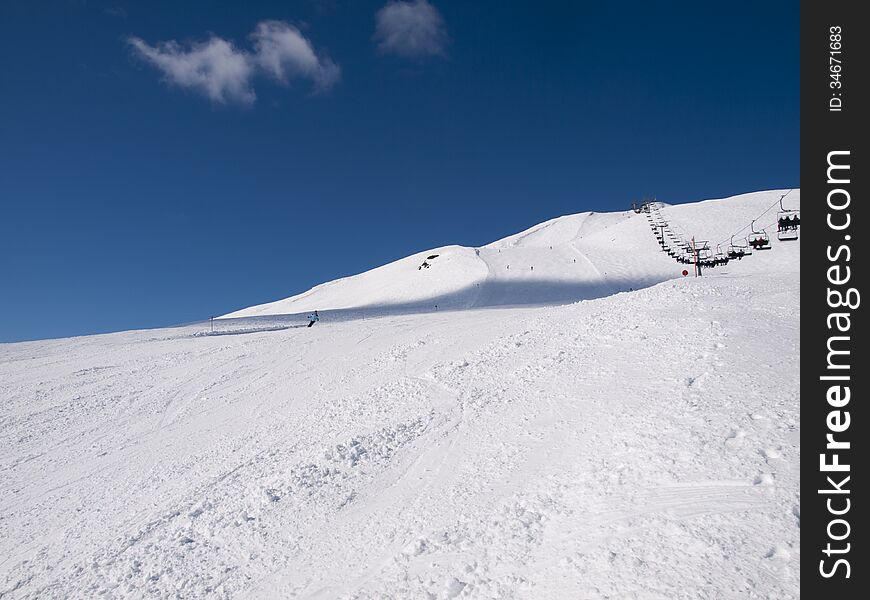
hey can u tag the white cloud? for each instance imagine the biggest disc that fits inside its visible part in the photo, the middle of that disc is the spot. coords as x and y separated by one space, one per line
283 52
224 73
412 29
214 68
115 11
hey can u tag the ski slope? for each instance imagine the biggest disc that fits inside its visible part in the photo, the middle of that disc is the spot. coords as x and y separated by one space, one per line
639 444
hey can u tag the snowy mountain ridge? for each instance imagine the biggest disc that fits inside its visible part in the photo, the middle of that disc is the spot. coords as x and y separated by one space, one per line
562 260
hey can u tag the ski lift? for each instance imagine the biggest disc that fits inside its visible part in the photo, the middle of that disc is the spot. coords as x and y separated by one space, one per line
703 255
687 256
759 240
787 222
738 251
720 259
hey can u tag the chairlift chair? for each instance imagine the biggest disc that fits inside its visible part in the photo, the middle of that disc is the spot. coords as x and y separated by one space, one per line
738 251
759 240
788 222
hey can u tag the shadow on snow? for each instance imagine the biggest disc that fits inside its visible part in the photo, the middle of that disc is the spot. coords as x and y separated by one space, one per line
489 294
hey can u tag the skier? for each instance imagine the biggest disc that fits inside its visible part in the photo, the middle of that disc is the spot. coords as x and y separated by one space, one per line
312 319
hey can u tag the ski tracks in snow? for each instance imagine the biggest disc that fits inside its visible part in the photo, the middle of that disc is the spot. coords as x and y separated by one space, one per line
633 446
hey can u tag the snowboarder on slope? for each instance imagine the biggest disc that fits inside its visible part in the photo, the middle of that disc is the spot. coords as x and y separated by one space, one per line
312 319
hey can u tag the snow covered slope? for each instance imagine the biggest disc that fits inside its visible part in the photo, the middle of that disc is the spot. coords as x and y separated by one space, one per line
639 445
571 258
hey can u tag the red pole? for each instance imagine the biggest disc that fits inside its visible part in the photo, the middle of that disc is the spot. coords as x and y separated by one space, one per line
695 253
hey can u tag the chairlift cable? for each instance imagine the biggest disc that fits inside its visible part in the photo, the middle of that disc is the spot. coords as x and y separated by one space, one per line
778 201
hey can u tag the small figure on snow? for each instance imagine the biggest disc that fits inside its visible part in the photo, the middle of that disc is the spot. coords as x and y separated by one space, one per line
312 319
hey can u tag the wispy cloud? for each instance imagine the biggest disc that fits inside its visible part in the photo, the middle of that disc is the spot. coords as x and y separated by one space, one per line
284 53
214 68
412 30
116 11
224 73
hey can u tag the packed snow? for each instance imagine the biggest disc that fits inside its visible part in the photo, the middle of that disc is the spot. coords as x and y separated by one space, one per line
598 426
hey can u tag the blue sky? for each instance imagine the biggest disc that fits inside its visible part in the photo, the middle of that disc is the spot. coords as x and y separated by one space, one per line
161 162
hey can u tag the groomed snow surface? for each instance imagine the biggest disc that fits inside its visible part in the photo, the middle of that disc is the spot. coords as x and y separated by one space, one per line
635 444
